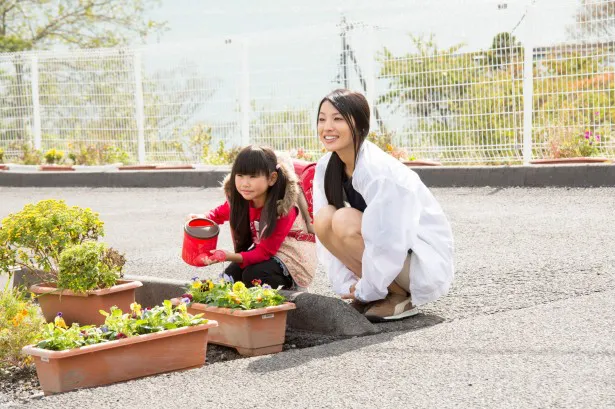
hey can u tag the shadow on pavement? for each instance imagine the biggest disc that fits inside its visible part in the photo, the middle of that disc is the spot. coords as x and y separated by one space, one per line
302 339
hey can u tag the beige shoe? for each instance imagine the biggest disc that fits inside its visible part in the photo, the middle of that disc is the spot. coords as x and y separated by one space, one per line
359 306
393 307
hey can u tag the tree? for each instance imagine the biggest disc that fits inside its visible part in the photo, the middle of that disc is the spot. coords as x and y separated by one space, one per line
39 24
453 99
285 129
504 48
594 20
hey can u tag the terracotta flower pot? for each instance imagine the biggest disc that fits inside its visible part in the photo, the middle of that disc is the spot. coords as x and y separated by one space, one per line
556 161
421 163
174 167
121 360
250 332
55 168
137 167
84 308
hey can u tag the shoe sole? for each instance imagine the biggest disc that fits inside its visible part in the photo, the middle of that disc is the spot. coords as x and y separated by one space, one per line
406 314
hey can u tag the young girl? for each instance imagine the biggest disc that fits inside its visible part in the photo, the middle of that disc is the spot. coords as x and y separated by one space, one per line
382 235
271 243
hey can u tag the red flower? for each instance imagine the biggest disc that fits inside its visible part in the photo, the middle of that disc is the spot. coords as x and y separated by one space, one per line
120 336
187 295
257 281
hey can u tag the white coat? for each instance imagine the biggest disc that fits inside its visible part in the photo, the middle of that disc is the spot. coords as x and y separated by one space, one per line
401 214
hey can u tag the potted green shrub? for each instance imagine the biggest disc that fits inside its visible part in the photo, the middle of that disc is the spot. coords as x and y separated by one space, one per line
58 244
252 320
129 345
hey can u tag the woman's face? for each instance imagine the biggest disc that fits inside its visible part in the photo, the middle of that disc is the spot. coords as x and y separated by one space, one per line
333 130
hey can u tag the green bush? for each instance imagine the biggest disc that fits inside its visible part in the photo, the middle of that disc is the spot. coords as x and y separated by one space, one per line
88 266
21 323
54 156
1 155
35 237
97 154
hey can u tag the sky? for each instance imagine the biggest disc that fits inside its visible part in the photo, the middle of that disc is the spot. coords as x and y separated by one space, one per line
293 47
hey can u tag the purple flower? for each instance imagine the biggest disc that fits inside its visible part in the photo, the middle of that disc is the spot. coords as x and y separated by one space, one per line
104 329
195 278
597 113
185 300
228 278
597 136
587 134
266 287
59 314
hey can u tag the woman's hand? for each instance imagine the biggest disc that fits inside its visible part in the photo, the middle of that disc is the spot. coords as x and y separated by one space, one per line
351 295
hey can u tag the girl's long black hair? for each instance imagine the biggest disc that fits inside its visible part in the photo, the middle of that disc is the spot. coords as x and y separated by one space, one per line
256 161
354 107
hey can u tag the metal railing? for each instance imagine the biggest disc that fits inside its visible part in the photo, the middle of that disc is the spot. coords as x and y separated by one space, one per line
517 97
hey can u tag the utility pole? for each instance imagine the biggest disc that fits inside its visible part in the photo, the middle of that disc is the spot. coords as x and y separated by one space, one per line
344 55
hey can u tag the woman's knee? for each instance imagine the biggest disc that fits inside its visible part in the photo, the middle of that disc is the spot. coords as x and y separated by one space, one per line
323 220
346 222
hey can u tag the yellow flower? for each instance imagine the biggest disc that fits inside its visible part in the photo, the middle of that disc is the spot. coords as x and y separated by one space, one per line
182 307
196 284
210 284
389 147
238 286
136 308
59 321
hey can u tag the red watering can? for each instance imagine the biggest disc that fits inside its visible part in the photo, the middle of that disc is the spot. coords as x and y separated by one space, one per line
200 237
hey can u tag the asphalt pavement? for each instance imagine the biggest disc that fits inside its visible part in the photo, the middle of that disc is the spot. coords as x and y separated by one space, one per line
528 322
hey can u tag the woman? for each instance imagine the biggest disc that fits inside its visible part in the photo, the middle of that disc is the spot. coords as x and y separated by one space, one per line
381 234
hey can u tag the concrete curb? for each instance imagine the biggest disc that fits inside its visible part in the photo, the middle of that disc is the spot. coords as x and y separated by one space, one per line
315 313
128 178
584 175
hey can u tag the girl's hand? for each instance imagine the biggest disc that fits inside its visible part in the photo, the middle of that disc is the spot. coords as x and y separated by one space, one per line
216 256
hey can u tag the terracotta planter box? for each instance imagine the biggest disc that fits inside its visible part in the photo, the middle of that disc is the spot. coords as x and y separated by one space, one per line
421 163
4 167
250 332
174 167
137 167
56 168
121 360
589 159
84 308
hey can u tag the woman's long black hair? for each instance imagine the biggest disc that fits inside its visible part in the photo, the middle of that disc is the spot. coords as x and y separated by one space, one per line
354 107
256 161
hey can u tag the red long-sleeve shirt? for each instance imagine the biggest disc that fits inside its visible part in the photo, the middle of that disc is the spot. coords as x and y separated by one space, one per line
264 248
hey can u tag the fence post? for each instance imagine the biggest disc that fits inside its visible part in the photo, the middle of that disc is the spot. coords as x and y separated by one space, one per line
245 95
528 87
36 106
139 111
370 74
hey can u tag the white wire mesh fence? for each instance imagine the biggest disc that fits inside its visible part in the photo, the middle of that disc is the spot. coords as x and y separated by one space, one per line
502 93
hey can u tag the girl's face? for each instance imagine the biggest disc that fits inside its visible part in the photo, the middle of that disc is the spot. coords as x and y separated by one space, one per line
333 130
254 187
